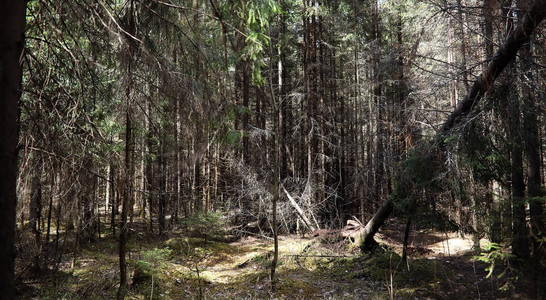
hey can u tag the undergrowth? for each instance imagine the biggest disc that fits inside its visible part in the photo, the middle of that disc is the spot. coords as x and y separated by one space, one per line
188 267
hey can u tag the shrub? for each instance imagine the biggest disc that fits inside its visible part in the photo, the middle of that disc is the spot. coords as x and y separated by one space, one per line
205 225
149 264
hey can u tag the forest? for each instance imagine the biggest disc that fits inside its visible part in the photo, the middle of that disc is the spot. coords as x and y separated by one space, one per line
283 149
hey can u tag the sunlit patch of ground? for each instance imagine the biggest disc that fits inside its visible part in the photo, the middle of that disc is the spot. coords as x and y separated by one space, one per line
429 243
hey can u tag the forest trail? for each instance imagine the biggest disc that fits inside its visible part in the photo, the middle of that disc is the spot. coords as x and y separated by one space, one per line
324 266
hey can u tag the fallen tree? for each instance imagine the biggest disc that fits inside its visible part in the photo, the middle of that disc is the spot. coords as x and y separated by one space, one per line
501 59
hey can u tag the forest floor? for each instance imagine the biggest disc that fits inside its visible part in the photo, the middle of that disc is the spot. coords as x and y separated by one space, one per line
323 266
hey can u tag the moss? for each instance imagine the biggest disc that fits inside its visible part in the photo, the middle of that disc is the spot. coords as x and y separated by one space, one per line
296 287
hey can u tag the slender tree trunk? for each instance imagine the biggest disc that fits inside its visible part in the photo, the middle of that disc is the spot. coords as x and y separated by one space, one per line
381 108
453 91
36 204
311 89
494 208
520 245
162 186
282 100
531 142
123 231
148 169
274 210
96 204
50 206
115 203
246 96
489 8
129 167
196 186
277 156
107 189
178 154
356 115
463 40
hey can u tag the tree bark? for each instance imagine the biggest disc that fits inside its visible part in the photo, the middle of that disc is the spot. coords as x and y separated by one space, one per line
36 203
148 168
531 144
162 185
520 245
462 37
123 231
488 29
12 26
127 63
382 118
50 206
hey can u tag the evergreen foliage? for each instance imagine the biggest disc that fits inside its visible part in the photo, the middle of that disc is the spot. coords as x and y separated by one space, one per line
206 225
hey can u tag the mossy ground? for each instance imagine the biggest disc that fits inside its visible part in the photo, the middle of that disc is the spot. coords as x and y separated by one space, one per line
182 267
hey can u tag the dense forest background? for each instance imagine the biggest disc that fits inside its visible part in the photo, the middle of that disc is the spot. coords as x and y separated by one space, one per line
279 117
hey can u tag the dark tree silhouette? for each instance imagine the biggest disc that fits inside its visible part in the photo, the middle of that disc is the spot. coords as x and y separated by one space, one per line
12 25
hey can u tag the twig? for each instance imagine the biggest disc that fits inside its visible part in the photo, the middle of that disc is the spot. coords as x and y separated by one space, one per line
296 255
476 278
152 292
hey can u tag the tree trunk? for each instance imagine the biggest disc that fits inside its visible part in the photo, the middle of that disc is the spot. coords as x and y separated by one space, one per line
12 26
463 40
531 143
453 91
274 204
520 245
36 204
382 118
246 96
107 189
489 8
282 101
366 235
148 169
162 186
50 206
178 154
115 203
128 168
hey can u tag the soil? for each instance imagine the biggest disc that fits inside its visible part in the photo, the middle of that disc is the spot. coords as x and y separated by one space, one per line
439 266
